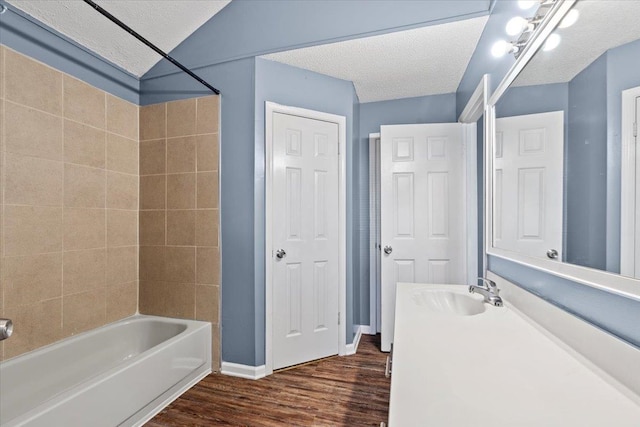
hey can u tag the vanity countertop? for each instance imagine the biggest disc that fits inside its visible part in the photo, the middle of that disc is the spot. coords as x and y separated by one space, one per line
492 369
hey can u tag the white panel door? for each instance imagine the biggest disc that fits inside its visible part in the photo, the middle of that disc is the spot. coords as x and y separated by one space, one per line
422 210
305 228
528 164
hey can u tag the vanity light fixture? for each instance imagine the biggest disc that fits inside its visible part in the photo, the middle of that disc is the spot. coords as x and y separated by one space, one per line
517 25
503 47
522 28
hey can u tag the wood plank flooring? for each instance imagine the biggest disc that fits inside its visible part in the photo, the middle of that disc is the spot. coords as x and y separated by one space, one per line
338 391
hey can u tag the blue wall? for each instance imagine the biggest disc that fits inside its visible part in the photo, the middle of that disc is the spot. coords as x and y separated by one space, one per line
586 151
423 109
521 100
32 38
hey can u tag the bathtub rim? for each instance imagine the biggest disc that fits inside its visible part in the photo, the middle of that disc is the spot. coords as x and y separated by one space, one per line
134 318
145 413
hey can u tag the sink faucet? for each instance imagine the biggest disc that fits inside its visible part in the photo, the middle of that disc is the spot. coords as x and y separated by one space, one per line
488 290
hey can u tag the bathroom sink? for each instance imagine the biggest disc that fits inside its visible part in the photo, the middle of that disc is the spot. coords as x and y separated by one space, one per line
454 303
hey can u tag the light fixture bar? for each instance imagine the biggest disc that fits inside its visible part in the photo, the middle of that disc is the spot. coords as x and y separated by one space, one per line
150 45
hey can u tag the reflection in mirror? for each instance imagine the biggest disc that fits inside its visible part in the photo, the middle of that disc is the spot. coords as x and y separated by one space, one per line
562 146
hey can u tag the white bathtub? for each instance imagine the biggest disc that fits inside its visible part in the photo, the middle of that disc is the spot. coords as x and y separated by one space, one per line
118 375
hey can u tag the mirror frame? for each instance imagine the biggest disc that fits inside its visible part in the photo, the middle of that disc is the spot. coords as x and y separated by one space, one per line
610 282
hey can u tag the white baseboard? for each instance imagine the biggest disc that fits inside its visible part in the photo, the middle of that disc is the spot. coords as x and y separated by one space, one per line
353 347
368 330
243 371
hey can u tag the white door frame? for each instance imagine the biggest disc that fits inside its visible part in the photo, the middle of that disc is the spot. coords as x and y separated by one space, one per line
374 249
469 147
476 107
628 201
341 121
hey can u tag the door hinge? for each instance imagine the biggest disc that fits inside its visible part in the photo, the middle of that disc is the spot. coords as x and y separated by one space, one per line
338 318
635 130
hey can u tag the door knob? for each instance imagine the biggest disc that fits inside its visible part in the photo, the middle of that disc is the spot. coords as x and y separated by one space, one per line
552 253
388 250
280 253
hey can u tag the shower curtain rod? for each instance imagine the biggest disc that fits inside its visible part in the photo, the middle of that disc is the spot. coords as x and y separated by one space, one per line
151 45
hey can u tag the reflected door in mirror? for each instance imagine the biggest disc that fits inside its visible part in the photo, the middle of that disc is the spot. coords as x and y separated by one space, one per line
528 164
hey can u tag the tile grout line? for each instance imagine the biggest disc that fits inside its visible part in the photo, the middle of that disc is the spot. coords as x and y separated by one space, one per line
195 259
166 186
62 211
137 250
106 191
78 122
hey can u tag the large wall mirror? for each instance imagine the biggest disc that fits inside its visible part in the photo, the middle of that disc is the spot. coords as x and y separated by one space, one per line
563 161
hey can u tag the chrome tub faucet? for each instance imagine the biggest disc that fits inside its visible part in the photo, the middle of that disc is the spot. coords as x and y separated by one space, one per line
488 290
6 328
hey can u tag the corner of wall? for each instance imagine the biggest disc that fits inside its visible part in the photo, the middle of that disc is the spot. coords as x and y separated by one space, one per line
30 37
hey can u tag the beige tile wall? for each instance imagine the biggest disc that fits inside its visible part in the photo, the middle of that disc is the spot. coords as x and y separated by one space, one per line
69 211
179 213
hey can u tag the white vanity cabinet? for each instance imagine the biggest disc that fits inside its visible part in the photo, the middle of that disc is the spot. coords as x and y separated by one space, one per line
457 365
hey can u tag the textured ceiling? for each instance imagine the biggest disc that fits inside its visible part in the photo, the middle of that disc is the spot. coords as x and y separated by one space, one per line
602 25
164 23
423 61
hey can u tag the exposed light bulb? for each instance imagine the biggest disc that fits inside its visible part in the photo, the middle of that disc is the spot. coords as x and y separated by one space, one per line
516 25
501 48
570 18
526 4
552 42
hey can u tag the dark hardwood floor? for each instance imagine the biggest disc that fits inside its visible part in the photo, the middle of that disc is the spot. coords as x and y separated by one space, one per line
338 391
